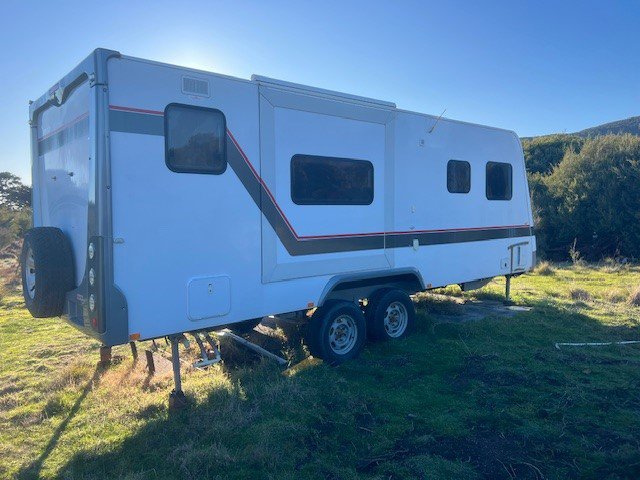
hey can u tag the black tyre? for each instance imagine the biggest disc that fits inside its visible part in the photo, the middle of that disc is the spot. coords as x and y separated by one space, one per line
390 314
247 326
47 271
336 332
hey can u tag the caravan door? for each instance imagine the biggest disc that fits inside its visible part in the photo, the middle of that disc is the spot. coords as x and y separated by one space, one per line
326 165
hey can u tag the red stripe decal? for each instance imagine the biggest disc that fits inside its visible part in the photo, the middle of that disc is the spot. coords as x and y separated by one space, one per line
409 232
66 125
255 173
136 110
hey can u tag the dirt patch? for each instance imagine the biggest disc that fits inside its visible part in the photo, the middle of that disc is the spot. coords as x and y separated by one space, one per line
476 369
463 310
493 455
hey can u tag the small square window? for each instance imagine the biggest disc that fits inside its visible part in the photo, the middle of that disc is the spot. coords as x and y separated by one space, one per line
499 181
458 176
195 139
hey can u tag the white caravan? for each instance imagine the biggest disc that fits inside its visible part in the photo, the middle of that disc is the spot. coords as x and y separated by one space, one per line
170 200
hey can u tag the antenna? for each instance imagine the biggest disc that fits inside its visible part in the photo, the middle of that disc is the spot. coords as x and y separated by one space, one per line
437 120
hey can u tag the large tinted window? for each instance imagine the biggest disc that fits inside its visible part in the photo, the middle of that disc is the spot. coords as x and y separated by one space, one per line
499 181
195 139
458 176
331 181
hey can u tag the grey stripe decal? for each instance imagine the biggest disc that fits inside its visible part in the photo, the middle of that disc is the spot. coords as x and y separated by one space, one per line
130 122
154 125
464 236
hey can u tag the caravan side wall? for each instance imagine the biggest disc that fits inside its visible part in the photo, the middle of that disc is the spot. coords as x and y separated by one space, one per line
423 202
188 251
194 250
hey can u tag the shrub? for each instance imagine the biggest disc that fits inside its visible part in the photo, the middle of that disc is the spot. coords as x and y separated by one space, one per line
574 254
13 224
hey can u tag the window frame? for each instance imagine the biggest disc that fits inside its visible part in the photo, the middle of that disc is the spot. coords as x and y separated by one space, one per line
297 201
486 190
469 185
166 140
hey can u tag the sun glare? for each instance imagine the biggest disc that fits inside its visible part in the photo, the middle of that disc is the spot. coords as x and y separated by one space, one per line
196 57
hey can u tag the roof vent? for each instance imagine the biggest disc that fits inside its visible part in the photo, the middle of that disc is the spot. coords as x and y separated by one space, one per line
195 86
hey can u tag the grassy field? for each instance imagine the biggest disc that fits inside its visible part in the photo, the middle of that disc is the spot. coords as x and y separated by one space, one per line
485 399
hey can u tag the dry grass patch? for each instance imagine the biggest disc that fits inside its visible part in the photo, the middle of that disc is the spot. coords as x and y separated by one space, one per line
9 265
450 290
612 265
615 295
580 294
634 297
437 304
544 268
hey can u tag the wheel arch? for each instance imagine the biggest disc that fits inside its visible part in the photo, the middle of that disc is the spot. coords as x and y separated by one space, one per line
353 286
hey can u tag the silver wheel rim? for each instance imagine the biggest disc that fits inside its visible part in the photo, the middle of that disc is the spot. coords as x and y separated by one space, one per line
343 334
396 319
30 274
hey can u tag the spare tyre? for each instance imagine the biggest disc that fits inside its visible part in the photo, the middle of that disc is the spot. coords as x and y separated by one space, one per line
47 271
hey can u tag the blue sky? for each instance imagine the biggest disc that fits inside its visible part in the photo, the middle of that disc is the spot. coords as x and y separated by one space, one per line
535 67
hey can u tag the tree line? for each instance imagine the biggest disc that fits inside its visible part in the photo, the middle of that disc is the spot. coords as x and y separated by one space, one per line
15 208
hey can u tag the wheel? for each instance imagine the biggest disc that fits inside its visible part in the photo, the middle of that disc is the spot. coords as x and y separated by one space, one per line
47 271
336 332
390 314
245 326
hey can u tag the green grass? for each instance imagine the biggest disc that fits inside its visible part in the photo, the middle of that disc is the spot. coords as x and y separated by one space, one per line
486 399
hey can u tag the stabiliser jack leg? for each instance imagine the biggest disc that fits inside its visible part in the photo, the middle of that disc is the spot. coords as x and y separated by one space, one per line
507 291
105 356
177 399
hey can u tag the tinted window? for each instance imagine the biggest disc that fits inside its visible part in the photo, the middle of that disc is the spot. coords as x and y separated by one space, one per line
195 139
458 176
499 183
331 181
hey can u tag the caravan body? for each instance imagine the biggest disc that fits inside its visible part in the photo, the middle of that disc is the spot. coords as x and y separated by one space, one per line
192 200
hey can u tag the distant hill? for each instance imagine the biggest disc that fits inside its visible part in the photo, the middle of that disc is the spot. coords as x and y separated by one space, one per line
543 153
629 125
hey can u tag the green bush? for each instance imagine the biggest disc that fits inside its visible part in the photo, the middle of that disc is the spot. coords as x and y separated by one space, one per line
542 154
15 208
591 200
13 224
